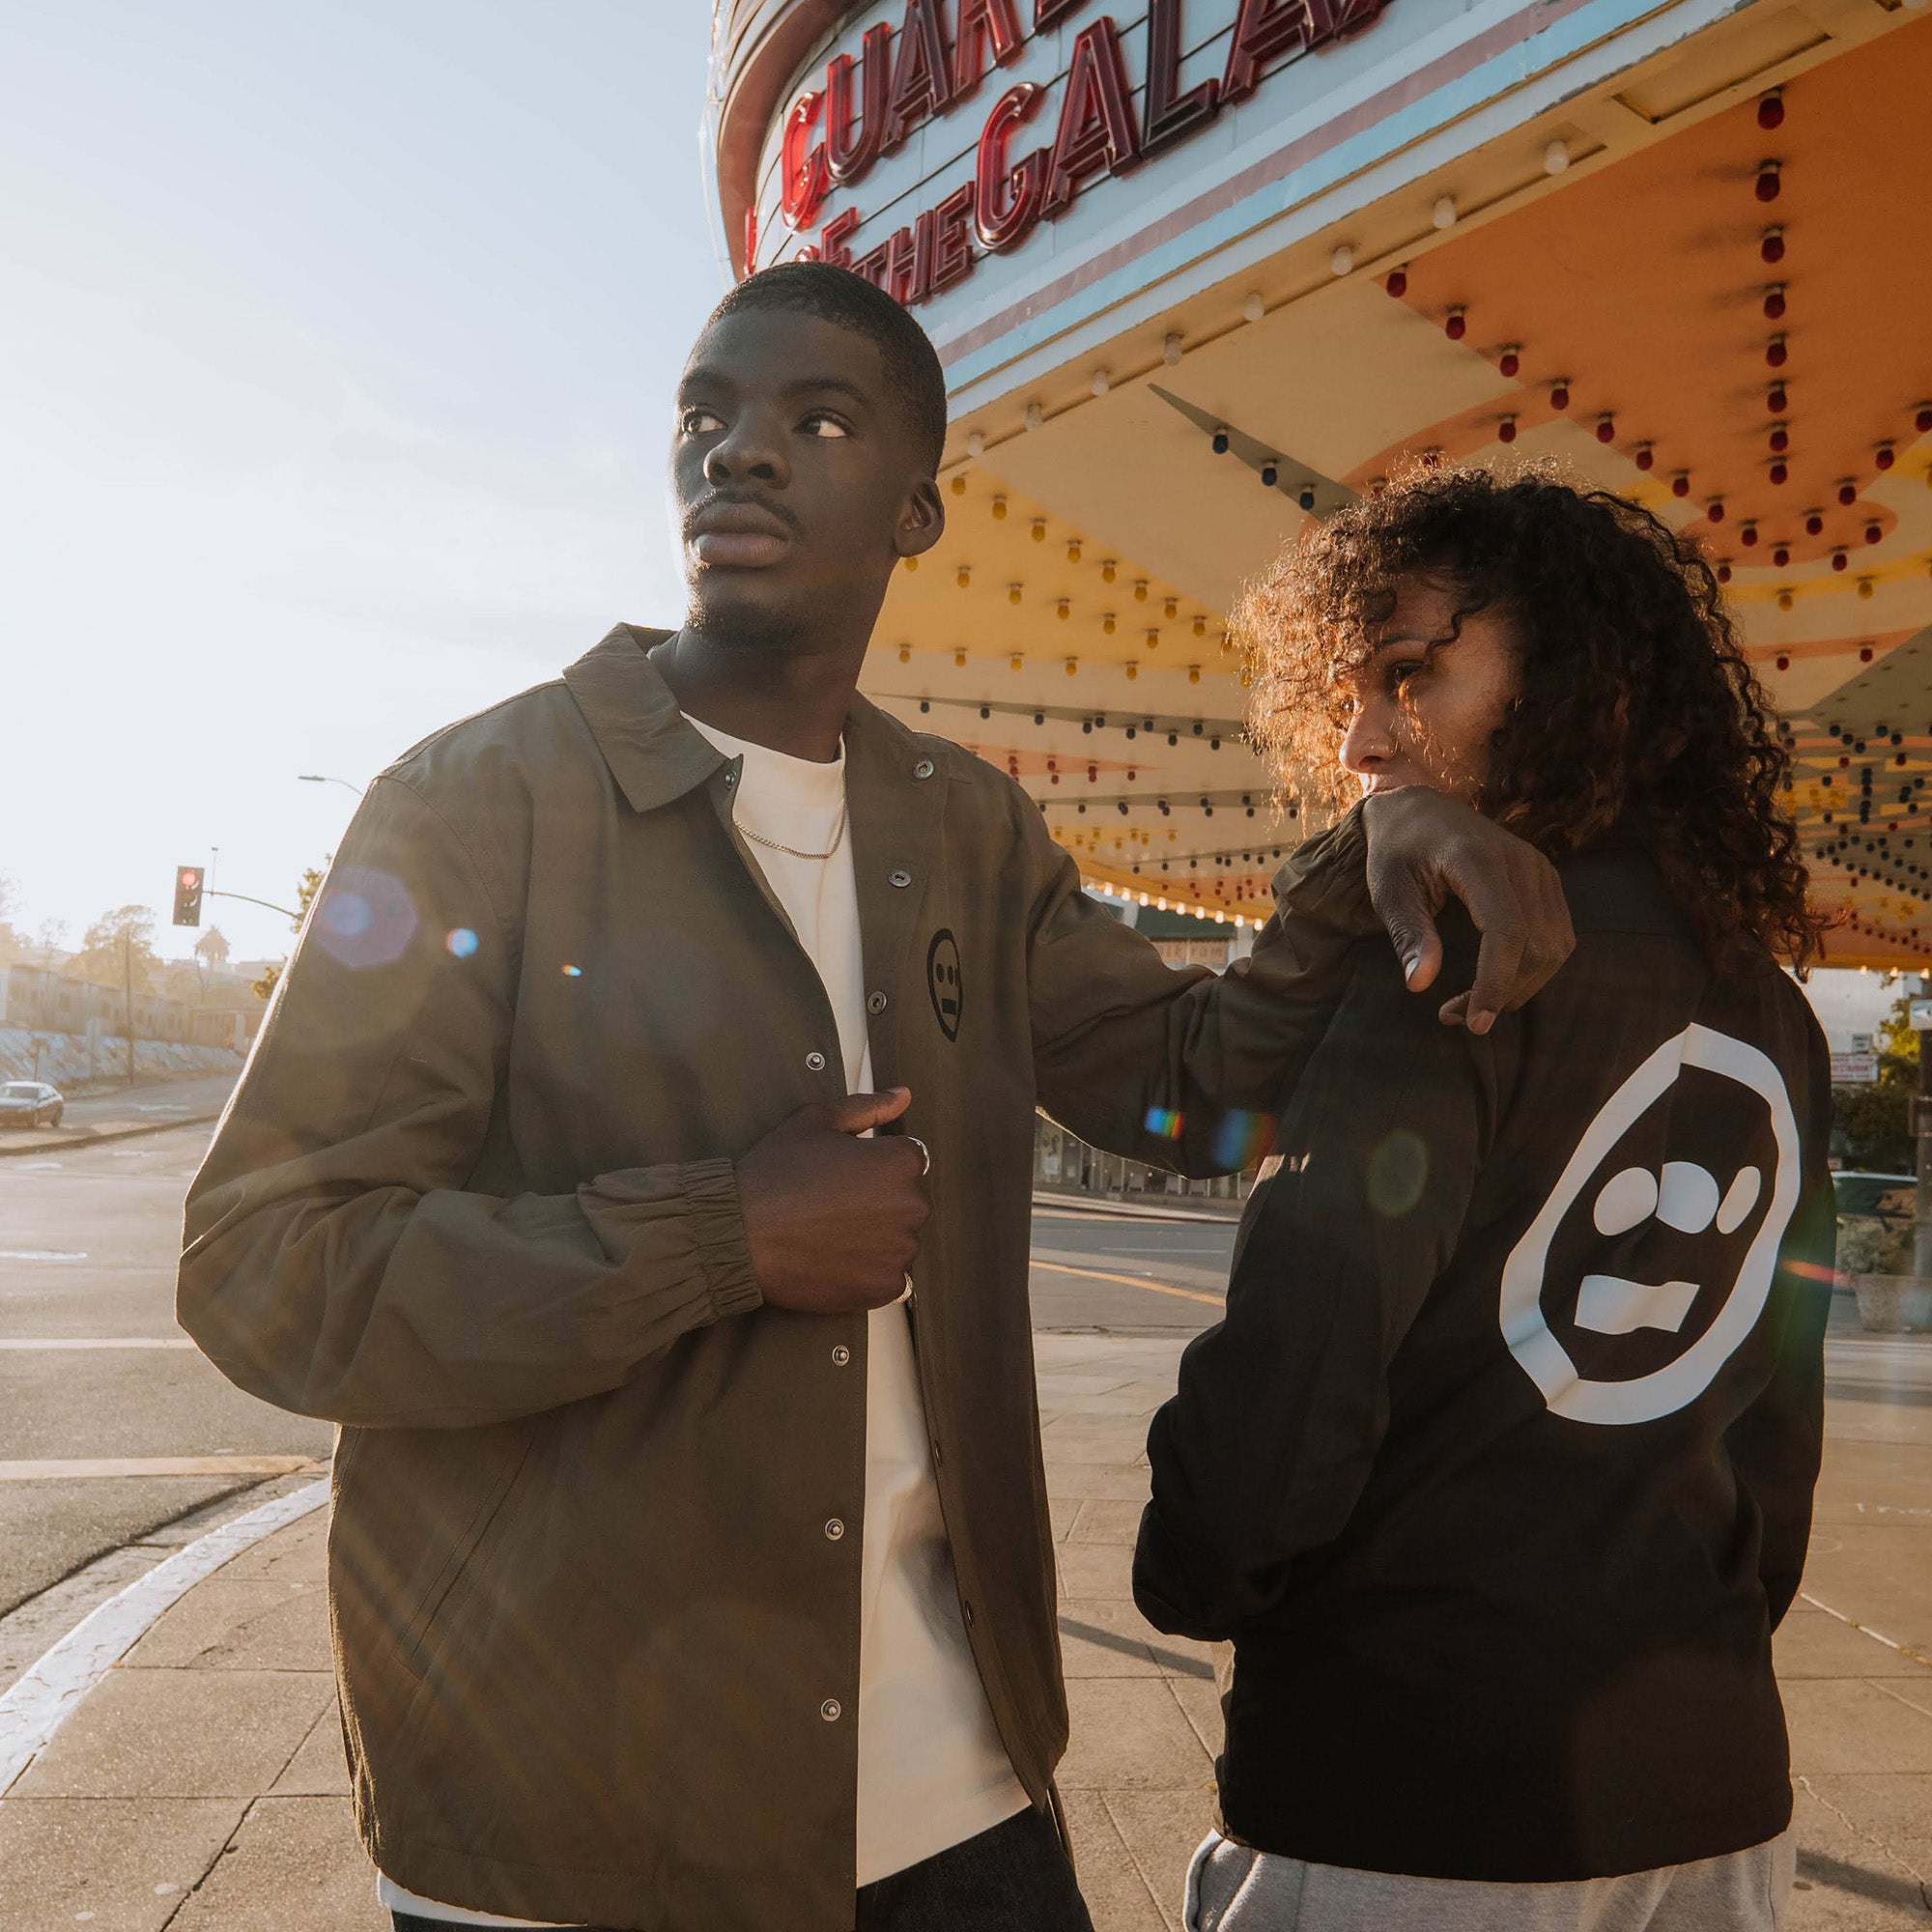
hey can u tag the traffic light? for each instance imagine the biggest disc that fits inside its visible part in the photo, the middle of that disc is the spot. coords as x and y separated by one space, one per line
187 896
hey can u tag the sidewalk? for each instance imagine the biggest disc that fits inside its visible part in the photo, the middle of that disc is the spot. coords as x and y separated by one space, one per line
200 1787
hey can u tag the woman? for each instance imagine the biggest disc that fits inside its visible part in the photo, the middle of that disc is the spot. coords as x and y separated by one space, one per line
1498 1472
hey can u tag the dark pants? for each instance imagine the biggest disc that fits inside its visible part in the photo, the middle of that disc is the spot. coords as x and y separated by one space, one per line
1016 1878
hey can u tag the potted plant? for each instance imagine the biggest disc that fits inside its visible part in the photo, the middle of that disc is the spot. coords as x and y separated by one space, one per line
1877 1261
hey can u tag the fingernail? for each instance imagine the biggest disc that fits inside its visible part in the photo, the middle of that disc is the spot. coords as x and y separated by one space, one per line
1481 1022
1409 965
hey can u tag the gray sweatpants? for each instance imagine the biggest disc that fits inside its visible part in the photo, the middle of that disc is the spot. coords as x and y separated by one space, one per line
1231 1888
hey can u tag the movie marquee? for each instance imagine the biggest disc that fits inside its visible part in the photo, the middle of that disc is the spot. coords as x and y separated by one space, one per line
1120 102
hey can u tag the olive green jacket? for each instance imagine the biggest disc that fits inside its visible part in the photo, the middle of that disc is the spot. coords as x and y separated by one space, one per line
475 1199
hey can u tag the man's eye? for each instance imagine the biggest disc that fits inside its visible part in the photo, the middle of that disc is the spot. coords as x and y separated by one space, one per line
818 424
700 423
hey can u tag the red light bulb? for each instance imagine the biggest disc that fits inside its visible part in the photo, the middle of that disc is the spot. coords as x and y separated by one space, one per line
1774 304
1771 110
1456 326
1780 438
1873 533
1884 458
1724 571
1397 282
1645 457
1779 473
1559 396
1922 421
1839 560
1510 362
1747 535
1506 430
1815 524
1775 352
1607 429
1714 510
1771 247
1776 399
1768 182
1781 556
1680 484
1848 492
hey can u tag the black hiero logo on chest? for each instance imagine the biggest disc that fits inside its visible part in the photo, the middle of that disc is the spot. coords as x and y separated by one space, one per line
942 980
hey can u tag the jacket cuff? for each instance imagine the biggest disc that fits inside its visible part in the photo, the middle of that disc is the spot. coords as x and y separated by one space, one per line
710 1189
1325 883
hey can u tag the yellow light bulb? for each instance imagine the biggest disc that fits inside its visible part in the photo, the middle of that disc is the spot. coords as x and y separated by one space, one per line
964 576
960 660
1065 608
1012 593
1072 665
1194 673
1200 627
1865 589
999 508
912 563
1107 623
1171 609
1109 571
905 654
1140 590
1133 671
1039 530
1153 640
1073 551
959 486
1017 660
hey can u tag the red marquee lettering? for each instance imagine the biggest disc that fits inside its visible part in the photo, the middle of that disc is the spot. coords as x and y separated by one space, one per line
1337 20
1046 12
983 25
1171 115
874 264
902 265
1096 117
952 240
1263 30
922 79
1006 202
804 181
831 237
850 150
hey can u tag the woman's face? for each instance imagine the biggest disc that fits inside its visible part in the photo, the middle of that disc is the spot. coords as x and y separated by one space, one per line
1422 708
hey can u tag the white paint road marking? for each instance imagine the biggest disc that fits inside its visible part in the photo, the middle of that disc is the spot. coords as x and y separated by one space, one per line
97 1469
34 1708
40 1255
94 1342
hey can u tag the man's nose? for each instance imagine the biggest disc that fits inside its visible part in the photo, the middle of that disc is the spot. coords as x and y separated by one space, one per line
748 452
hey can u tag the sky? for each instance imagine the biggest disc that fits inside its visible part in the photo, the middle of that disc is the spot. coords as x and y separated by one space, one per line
337 350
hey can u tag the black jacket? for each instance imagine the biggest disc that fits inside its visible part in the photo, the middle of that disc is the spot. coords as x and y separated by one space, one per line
1499 1470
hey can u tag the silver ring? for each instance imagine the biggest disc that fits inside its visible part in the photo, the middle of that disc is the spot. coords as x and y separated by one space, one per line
925 1153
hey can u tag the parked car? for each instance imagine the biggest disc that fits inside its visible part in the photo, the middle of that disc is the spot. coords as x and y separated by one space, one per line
30 1103
1890 1198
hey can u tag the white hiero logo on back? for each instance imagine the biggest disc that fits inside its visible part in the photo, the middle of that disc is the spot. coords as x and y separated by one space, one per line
1621 1289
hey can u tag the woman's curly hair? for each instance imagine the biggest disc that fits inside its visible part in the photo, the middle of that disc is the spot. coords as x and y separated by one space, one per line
1635 707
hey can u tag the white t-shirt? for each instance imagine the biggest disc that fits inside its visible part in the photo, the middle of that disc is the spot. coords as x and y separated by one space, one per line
933 1770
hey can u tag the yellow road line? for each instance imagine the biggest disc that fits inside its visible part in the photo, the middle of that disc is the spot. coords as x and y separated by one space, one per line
86 1470
1135 1281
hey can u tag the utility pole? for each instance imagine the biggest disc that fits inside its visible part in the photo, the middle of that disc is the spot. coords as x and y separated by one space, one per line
128 1002
1921 1011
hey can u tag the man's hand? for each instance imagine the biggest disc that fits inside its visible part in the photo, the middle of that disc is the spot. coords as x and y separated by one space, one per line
832 1221
1426 848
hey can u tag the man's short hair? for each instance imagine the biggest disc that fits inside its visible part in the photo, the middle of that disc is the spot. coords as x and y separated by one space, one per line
838 296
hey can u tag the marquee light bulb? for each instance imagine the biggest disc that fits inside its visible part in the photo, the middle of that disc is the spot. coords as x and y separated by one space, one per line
963 576
1034 416
1884 458
999 509
1341 260
1456 326
1012 593
1039 530
1559 393
1171 607
1253 308
1769 183
976 444
1443 213
1073 549
1771 247
1774 302
1771 110
1072 666
1814 522
1108 623
1775 354
959 486
960 660
905 654
1607 428
1645 457
1101 382
1511 361
1016 661
1506 430
1171 349
1397 283
1555 158
1140 590
1109 570
1062 609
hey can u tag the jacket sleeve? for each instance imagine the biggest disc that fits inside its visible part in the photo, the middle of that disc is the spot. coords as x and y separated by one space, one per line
1264 1448
1778 1444
335 1261
1181 1067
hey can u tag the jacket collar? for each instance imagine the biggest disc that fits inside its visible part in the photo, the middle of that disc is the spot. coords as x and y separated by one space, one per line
654 754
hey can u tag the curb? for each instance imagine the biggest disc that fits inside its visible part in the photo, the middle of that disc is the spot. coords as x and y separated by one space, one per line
1106 1209
91 1138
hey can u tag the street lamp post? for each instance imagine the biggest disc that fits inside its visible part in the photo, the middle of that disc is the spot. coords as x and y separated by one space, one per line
323 779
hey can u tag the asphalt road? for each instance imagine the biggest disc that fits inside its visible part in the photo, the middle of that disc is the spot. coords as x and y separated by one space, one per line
1100 1274
88 1238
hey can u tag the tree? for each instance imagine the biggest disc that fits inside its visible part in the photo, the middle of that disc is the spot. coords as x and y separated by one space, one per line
115 940
212 949
1876 1119
49 943
13 945
305 890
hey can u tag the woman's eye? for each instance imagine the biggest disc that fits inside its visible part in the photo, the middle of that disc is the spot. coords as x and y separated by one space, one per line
823 425
701 422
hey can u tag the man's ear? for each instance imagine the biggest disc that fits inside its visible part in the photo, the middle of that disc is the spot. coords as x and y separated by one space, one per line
922 520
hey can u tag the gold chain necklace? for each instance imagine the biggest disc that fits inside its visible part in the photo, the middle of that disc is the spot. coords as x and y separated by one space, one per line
792 851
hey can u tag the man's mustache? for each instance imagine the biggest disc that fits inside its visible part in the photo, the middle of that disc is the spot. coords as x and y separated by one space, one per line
712 512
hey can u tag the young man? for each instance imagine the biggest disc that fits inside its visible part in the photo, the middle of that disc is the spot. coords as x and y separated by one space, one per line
672 1584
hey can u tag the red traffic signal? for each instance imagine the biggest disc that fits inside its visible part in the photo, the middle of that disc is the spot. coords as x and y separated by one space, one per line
188 894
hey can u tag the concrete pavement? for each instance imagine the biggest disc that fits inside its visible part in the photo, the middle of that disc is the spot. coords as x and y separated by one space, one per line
201 1787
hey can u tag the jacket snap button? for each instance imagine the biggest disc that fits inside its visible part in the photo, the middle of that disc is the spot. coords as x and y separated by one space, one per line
834 1529
840 1355
831 1710
924 769
875 1003
731 778
899 876
816 1061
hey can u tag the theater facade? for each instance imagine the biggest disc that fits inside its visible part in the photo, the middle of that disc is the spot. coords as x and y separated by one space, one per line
1200 270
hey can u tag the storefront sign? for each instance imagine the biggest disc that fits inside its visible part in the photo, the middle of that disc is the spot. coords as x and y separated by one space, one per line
1030 161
